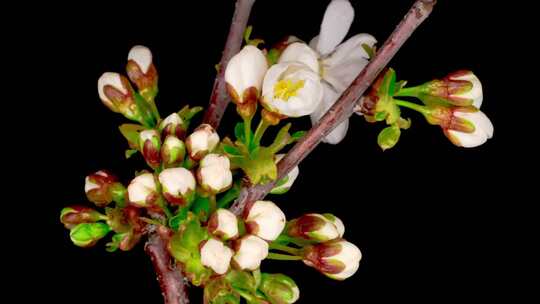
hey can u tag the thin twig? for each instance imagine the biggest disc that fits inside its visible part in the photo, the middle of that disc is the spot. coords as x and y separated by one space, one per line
219 99
170 278
343 108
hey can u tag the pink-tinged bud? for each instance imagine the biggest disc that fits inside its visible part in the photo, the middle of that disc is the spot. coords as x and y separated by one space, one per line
337 259
250 251
244 75
214 173
223 224
116 93
173 125
141 71
461 88
150 146
202 141
265 220
216 255
314 227
142 191
88 234
97 187
178 185
74 215
173 151
337 222
464 126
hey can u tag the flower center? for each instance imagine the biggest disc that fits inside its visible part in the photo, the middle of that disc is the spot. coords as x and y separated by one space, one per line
286 88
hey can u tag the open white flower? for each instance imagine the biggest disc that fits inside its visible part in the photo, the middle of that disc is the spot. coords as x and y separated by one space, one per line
483 130
245 71
250 251
142 190
224 224
216 255
285 183
339 63
265 220
292 89
214 173
178 185
202 141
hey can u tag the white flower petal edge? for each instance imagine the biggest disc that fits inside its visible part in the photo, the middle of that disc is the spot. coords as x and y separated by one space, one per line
246 69
336 22
216 255
483 129
142 56
476 93
301 52
329 98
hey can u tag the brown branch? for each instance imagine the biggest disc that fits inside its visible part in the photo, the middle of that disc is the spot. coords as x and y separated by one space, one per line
219 98
170 278
344 107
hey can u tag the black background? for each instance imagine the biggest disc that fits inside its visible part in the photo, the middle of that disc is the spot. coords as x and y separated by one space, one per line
419 212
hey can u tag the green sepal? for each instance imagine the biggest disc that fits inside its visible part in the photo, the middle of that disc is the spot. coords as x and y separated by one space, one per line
241 281
201 207
389 137
114 244
187 113
404 123
273 56
239 132
247 35
147 115
130 152
131 133
369 50
297 135
178 218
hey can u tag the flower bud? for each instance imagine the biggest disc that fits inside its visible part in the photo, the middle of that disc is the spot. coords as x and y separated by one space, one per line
173 125
337 259
142 190
337 222
265 220
74 215
173 151
202 141
291 89
465 127
285 183
279 288
216 255
97 187
214 173
116 93
223 224
250 251
178 185
313 227
87 234
141 71
244 75
461 88
150 146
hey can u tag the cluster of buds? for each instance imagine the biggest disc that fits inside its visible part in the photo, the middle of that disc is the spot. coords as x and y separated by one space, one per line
326 250
263 222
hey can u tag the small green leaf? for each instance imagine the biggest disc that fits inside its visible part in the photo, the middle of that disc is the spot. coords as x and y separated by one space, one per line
404 123
201 207
178 218
389 137
130 152
380 116
297 135
131 133
273 56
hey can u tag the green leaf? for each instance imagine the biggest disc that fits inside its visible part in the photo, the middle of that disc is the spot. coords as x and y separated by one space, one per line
228 197
178 218
201 207
131 133
130 152
145 109
297 135
282 139
404 123
389 137
273 56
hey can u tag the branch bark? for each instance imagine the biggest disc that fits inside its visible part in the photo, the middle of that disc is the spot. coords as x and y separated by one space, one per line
344 107
171 280
219 99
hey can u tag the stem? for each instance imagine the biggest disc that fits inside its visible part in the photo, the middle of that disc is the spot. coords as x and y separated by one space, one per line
412 106
408 92
344 106
284 248
283 257
171 280
212 201
247 131
219 99
261 128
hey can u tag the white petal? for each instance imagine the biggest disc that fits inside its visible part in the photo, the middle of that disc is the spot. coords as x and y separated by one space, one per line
174 119
349 59
140 187
251 252
177 180
336 22
142 56
483 130
112 79
216 255
476 93
329 98
215 172
300 52
89 185
246 69
269 218
349 255
227 223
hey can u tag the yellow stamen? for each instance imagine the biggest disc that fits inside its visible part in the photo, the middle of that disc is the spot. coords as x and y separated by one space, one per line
286 88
